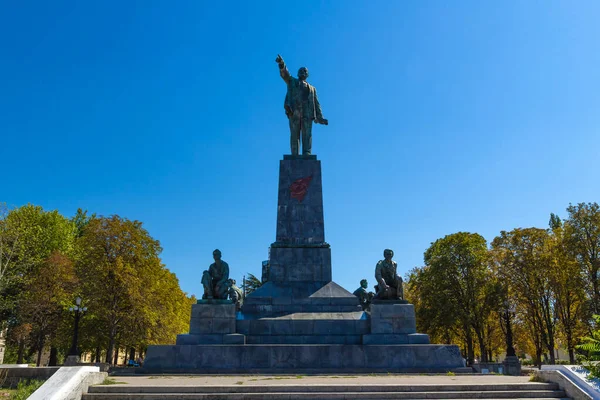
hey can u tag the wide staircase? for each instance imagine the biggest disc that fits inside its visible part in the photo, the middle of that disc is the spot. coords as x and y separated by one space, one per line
328 392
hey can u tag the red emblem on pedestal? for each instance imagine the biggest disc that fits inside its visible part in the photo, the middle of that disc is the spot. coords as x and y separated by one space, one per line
299 187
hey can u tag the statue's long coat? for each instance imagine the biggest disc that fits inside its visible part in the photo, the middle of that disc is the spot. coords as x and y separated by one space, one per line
293 98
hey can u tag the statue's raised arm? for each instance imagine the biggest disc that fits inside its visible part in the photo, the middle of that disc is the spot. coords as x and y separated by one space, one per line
283 71
302 108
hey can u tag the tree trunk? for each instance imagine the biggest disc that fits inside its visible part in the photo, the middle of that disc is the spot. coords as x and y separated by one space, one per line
97 358
41 342
109 349
551 348
32 350
482 349
21 352
571 356
53 357
109 354
39 355
570 347
595 288
470 350
538 356
116 361
132 353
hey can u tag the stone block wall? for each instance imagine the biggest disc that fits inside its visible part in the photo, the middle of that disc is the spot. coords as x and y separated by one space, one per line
300 218
300 264
212 324
394 323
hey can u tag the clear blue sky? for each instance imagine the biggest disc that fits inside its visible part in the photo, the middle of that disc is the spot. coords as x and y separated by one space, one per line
475 116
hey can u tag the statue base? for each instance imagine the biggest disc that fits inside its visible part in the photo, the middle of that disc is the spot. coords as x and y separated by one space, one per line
314 358
222 341
72 361
212 322
512 366
300 320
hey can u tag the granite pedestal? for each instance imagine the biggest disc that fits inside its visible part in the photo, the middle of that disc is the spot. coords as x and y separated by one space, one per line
300 320
212 324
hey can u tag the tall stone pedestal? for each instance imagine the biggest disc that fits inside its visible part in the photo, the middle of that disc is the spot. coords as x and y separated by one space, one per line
300 262
300 320
512 366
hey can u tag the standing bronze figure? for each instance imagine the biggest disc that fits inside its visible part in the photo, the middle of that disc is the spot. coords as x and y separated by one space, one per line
301 107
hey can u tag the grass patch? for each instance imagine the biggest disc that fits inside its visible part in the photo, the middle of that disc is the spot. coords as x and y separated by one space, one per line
239 383
450 373
25 389
5 393
111 381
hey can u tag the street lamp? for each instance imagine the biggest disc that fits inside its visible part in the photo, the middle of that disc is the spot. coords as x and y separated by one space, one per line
512 364
508 311
78 310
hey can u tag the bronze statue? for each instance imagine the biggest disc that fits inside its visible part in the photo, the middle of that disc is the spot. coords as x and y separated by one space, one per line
215 278
235 294
364 297
301 107
389 283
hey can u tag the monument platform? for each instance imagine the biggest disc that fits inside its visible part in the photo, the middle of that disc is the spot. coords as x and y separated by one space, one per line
300 320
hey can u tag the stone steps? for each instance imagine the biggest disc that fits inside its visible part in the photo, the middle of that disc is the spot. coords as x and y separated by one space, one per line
329 392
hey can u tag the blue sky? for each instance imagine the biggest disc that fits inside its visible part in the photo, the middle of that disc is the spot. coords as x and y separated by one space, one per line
474 116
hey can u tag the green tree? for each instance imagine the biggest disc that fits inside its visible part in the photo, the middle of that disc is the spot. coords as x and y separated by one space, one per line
28 237
80 220
590 345
582 234
46 299
133 300
525 260
9 268
568 286
252 283
459 271
424 292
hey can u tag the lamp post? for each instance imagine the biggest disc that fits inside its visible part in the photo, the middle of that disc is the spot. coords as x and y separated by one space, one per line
510 350
73 357
511 361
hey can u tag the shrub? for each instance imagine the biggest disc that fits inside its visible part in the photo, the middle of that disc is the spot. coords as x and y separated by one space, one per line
25 389
591 346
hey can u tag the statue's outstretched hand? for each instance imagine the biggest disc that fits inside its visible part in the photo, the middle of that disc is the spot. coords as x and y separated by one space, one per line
322 121
279 60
